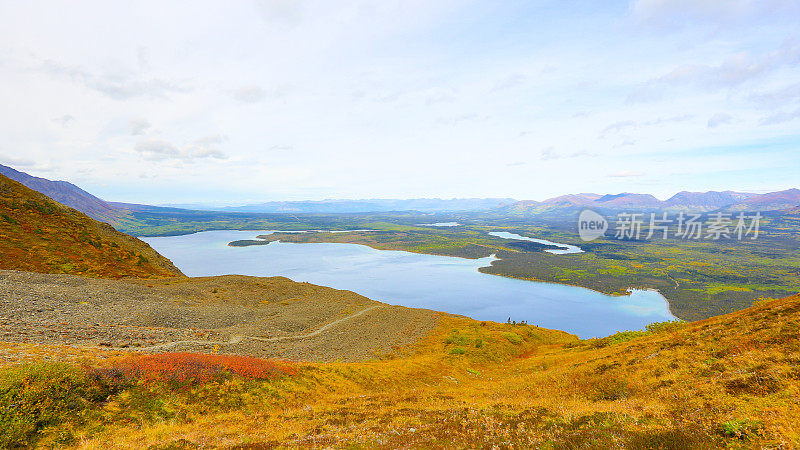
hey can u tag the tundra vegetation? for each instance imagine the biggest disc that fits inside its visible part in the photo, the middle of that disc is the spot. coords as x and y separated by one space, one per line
729 381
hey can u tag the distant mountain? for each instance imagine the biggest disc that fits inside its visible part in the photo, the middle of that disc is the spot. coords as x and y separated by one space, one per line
41 235
627 200
148 208
371 205
567 205
67 194
584 199
788 199
705 201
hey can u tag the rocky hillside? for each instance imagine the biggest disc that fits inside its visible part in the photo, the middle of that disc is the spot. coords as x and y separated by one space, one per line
38 234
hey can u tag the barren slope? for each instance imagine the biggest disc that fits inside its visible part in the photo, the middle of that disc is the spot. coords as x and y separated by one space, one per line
267 317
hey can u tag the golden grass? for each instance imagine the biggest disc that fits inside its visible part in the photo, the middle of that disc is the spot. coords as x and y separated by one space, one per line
730 381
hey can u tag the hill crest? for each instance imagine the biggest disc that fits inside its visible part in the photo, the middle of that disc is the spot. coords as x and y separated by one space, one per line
38 234
67 194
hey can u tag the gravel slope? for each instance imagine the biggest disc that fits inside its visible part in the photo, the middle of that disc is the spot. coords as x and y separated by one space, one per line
267 317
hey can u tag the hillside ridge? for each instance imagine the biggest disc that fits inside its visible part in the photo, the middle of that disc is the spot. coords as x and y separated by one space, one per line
67 194
38 234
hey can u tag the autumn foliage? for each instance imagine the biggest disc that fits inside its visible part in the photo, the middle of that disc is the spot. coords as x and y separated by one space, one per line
38 234
192 368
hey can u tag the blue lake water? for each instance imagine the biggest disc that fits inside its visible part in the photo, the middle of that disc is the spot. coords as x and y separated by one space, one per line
566 249
422 281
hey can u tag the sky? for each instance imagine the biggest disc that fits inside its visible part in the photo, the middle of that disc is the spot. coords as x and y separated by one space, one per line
247 101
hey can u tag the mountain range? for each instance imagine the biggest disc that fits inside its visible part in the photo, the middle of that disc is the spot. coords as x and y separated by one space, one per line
682 201
333 206
113 212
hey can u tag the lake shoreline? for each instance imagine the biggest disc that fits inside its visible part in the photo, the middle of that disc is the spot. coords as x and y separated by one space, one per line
616 293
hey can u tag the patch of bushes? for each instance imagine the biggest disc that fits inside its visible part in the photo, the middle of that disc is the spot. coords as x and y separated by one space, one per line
625 336
741 428
514 338
37 396
191 368
9 219
458 337
757 381
44 208
608 388
660 327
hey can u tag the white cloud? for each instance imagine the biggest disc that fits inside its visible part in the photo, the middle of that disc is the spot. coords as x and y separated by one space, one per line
681 13
138 126
414 98
249 94
719 119
285 11
788 94
64 120
780 117
117 86
160 150
157 150
626 174
16 162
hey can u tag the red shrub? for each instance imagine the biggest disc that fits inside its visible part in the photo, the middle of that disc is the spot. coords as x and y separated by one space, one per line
192 368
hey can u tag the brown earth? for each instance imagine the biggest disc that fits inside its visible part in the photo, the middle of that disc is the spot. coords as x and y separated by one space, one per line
266 317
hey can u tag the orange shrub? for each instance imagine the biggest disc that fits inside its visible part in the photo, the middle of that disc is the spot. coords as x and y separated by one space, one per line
192 368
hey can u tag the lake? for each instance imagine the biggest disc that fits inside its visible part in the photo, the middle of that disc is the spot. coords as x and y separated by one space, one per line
566 249
422 281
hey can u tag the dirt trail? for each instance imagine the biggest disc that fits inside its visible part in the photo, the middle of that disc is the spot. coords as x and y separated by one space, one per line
267 317
239 338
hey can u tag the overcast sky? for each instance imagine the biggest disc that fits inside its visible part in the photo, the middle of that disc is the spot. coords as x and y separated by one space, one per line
241 101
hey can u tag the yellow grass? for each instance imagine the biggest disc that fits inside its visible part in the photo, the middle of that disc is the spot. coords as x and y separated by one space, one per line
730 381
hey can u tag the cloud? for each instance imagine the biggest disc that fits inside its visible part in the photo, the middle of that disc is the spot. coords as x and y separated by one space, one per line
666 14
122 88
64 120
137 126
435 96
160 150
788 94
208 153
509 82
781 117
213 139
249 94
719 119
619 126
625 143
455 120
206 147
16 162
282 147
156 150
550 153
143 58
734 71
119 86
289 12
626 174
